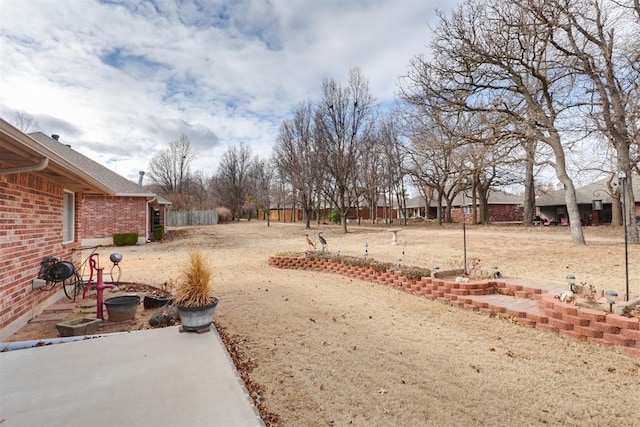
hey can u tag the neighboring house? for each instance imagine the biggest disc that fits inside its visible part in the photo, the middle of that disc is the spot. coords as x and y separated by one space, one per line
41 198
288 214
594 203
128 208
503 207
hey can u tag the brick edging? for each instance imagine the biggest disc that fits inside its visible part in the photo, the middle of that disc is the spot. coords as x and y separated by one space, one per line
594 326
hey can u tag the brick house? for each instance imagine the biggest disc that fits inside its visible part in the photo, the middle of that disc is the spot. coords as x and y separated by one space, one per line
594 203
502 207
128 207
41 197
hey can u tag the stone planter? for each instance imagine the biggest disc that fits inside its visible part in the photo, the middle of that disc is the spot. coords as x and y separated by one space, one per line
122 308
78 327
197 318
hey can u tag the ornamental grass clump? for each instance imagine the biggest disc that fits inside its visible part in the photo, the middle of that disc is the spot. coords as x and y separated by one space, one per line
194 289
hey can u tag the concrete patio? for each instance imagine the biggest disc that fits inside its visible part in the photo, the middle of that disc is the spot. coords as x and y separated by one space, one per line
156 377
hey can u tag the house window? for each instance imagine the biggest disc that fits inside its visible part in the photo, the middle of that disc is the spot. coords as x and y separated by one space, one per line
68 217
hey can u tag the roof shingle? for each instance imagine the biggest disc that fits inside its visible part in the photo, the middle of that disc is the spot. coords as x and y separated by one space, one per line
120 185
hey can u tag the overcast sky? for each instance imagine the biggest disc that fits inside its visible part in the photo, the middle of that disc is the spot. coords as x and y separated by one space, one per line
120 80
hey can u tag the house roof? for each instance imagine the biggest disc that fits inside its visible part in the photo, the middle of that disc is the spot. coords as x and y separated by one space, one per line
585 195
161 200
495 198
118 185
20 152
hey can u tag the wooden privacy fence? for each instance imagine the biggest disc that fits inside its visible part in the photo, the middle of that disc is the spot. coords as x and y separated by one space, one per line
177 218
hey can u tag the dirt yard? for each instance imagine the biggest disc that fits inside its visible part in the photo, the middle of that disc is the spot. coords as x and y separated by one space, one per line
321 349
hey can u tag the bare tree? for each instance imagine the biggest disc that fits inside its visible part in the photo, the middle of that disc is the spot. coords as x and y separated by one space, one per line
196 187
345 122
169 167
232 182
594 36
394 161
371 172
297 156
492 56
26 123
263 173
431 164
279 192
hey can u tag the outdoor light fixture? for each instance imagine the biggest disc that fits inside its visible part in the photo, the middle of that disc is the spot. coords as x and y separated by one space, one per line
611 299
571 281
434 271
622 177
596 205
495 273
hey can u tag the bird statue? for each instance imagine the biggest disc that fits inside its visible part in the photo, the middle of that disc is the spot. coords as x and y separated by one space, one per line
323 241
310 242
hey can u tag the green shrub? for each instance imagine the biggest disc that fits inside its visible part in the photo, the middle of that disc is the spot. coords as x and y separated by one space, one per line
125 239
158 232
334 216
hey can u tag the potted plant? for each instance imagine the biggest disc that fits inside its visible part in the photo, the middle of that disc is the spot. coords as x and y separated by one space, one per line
193 294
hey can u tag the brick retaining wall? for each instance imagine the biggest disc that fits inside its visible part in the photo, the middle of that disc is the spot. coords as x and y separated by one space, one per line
548 314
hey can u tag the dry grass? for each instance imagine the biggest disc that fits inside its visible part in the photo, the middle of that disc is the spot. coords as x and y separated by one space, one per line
332 350
194 286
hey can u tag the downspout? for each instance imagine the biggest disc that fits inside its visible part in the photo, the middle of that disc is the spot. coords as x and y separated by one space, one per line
33 168
148 216
147 223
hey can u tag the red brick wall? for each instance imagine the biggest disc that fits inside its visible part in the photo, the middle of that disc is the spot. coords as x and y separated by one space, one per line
497 213
105 215
30 229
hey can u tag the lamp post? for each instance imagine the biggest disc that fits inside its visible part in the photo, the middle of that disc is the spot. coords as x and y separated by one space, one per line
622 177
464 230
462 183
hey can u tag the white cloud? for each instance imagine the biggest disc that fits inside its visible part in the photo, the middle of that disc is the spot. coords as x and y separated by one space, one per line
119 80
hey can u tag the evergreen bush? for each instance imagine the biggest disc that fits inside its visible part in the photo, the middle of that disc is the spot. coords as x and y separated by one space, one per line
125 239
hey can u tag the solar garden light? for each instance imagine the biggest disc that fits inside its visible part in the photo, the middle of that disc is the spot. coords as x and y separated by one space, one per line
495 272
611 299
571 280
434 271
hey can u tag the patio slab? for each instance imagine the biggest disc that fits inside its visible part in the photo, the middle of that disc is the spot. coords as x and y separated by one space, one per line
156 377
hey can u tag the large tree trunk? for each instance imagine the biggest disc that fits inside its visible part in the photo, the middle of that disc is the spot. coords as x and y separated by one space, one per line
483 192
616 208
575 224
344 211
629 210
529 201
307 218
